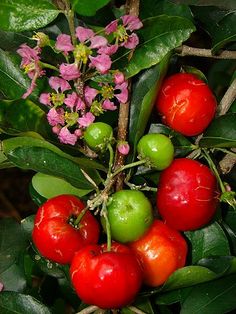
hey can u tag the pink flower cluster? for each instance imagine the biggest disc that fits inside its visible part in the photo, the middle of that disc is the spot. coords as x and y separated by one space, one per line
77 95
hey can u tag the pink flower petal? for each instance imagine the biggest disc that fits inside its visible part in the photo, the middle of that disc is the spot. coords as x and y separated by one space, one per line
80 104
57 82
69 71
66 137
89 94
108 50
63 43
55 116
71 100
108 105
131 22
56 129
98 41
123 95
123 148
131 42
111 27
78 133
1 286
28 54
83 33
119 77
102 63
86 120
45 99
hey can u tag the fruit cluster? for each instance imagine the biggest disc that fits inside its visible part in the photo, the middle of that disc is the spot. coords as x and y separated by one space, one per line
145 246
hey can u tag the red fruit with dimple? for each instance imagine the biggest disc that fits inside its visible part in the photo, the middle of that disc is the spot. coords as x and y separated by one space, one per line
107 279
54 234
186 104
187 195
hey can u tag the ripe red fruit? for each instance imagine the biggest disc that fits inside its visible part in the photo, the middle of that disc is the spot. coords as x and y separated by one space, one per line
186 104
54 234
106 279
187 195
161 251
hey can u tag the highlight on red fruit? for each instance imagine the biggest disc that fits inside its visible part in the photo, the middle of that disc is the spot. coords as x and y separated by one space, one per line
55 234
186 103
107 279
161 251
187 195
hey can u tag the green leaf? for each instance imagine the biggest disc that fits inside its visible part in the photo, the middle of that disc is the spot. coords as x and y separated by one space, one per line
88 7
12 242
143 98
10 41
20 15
182 145
27 225
220 24
45 161
27 141
159 36
13 81
50 186
215 297
153 8
219 264
13 302
188 276
13 278
226 4
208 241
221 132
23 116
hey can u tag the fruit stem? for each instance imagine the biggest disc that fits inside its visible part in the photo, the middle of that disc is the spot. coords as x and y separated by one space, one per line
111 159
127 166
213 168
108 227
80 216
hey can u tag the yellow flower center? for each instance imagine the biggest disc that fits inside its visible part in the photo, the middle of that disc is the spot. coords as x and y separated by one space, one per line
57 99
71 118
121 33
81 53
107 92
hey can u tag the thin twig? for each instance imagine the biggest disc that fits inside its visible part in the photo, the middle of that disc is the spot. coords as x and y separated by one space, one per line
201 52
88 310
70 17
136 310
227 99
132 7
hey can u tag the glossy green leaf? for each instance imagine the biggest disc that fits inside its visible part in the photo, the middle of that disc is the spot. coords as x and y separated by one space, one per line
23 116
215 297
10 41
182 145
219 264
143 98
50 186
35 196
13 81
45 161
27 225
88 7
12 243
226 4
13 278
13 302
27 141
20 15
220 24
208 241
188 276
150 8
159 36
221 132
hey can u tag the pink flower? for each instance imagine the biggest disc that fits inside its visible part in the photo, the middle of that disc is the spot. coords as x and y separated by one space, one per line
119 77
131 42
131 22
102 63
56 129
1 286
123 148
98 41
56 116
89 94
64 44
108 105
123 95
45 99
31 87
111 27
66 137
80 104
71 100
78 133
57 82
69 71
86 119
83 33
28 54
108 50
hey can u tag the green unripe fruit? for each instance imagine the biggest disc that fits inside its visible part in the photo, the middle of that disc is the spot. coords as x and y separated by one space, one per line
130 215
98 135
157 149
